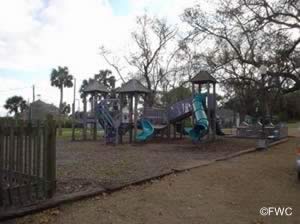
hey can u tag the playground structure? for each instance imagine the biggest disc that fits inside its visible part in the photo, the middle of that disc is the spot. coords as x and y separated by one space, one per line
119 115
97 92
201 106
111 112
204 123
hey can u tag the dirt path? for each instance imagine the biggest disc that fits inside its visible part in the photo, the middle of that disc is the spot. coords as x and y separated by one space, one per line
226 192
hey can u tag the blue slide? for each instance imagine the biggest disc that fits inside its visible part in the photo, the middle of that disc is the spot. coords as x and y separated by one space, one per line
147 132
201 127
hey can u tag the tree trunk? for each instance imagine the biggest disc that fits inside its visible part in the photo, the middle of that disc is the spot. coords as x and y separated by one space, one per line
16 112
150 99
61 111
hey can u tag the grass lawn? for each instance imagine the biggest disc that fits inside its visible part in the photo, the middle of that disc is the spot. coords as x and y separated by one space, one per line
67 133
294 124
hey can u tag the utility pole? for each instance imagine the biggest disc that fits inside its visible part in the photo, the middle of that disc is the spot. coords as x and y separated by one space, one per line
74 92
33 93
30 106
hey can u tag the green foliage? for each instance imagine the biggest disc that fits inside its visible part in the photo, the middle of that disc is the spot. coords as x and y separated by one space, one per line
67 123
16 105
9 120
104 77
82 87
243 36
291 106
283 116
175 95
66 108
61 78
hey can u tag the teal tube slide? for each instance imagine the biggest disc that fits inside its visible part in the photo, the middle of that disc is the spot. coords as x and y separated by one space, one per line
147 132
201 126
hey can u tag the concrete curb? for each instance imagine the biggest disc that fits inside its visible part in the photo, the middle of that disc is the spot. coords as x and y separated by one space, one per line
69 198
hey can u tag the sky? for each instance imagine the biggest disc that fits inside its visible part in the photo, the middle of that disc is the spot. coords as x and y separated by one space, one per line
38 35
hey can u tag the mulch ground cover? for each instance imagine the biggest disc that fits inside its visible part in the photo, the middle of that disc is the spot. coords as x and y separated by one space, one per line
83 166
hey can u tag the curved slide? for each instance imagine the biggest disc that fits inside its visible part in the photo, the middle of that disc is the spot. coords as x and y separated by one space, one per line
147 132
201 127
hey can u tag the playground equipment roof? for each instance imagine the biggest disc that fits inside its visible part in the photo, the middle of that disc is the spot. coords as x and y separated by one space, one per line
95 87
203 77
133 86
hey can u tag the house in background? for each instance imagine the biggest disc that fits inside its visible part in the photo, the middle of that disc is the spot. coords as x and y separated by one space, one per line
38 110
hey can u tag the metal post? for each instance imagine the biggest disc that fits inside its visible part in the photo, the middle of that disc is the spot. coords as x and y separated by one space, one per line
199 88
73 112
95 118
136 99
214 129
169 131
84 118
208 112
263 105
193 95
130 117
121 112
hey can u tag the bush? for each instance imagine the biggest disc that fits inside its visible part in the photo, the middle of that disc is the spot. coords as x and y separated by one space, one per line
67 123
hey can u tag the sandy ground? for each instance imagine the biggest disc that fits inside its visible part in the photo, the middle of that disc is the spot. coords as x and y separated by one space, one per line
231 191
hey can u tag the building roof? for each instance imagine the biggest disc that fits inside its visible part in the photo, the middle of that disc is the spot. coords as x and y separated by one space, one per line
203 77
40 110
45 106
95 87
133 86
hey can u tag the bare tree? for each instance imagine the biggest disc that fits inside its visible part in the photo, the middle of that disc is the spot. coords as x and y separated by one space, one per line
113 62
247 34
152 53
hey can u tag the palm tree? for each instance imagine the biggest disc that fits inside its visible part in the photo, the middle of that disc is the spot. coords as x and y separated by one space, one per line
106 78
16 105
61 78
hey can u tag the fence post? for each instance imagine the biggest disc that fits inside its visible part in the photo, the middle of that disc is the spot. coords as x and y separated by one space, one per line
1 164
51 155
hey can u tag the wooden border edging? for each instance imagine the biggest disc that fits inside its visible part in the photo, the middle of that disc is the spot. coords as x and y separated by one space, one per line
280 141
253 149
51 203
54 202
111 189
197 164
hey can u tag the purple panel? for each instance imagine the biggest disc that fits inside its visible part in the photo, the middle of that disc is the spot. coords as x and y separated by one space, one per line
155 115
180 110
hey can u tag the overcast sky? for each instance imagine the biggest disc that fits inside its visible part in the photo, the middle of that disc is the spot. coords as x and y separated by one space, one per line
38 35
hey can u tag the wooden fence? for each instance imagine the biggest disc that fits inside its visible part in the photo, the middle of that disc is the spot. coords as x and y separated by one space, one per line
27 162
